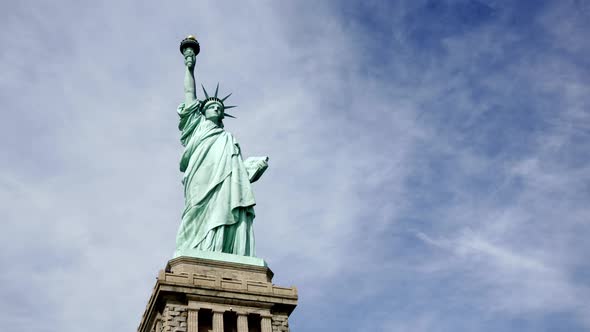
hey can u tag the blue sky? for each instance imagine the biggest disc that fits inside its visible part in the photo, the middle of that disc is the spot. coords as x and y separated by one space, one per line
429 160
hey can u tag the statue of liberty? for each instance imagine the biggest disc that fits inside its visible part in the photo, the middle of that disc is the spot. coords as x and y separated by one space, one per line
219 203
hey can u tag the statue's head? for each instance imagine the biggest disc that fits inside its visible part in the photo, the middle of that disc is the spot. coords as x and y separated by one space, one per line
213 111
213 108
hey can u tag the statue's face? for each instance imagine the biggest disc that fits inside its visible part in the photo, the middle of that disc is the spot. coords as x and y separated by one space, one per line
214 112
189 57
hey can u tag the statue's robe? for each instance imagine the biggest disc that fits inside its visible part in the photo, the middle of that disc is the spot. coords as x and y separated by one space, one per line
219 202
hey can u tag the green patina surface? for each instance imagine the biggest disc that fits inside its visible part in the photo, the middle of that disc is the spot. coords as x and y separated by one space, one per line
219 202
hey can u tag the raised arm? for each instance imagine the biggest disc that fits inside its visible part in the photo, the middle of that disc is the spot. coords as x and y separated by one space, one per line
189 77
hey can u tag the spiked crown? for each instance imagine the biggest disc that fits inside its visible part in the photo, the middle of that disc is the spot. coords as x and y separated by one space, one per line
214 99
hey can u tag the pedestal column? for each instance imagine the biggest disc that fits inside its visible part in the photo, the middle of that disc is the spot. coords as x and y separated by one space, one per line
159 325
193 320
242 322
217 321
265 324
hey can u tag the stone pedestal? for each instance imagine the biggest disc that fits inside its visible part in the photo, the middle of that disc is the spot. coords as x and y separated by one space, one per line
202 295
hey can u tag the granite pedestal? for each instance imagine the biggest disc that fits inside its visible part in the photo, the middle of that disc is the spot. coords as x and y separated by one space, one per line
202 295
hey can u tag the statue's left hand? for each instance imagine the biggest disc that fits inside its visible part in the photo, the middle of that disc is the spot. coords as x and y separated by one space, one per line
255 166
